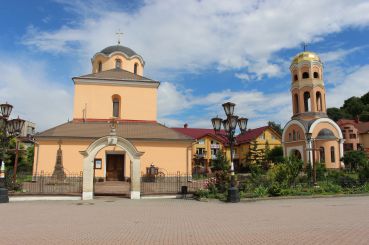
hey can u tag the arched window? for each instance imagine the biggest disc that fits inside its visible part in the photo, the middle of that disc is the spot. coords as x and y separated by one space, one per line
295 77
116 105
100 67
333 155
305 75
289 137
319 106
322 154
316 74
118 63
298 136
135 68
296 98
294 135
307 101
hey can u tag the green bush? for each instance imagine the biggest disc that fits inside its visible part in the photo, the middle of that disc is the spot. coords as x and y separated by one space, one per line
260 192
329 188
275 190
364 172
278 173
286 173
342 179
354 159
321 170
202 193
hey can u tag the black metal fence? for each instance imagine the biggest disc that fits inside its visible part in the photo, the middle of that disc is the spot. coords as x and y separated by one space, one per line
45 184
170 184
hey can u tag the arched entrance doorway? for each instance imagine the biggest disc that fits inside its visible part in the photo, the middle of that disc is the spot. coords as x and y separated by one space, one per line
88 164
296 153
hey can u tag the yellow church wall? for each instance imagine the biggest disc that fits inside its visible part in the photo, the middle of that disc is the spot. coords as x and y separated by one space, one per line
137 103
327 153
45 156
169 156
108 63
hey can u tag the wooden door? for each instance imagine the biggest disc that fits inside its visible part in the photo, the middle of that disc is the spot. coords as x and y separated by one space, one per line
114 167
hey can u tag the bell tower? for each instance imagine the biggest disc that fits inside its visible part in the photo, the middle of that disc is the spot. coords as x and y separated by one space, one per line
307 87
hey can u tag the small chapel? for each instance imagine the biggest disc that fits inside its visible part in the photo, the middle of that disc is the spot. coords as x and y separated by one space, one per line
114 134
310 135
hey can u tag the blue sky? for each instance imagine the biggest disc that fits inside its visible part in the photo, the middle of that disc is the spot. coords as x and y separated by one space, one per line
203 52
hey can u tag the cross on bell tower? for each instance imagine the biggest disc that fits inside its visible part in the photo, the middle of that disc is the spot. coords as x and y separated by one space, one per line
304 45
119 34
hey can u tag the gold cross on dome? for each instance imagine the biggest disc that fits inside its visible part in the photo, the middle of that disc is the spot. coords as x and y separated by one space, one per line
119 34
304 45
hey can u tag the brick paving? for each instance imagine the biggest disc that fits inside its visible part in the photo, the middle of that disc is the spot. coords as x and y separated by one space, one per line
111 220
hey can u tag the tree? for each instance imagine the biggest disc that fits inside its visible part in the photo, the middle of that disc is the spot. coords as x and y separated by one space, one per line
255 155
336 114
220 163
25 158
365 99
351 109
364 117
354 159
276 127
354 106
275 155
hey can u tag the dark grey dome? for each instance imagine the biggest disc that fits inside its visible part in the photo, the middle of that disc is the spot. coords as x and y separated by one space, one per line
326 134
118 48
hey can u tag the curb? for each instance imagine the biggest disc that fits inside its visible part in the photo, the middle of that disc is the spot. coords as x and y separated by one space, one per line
44 198
301 197
166 197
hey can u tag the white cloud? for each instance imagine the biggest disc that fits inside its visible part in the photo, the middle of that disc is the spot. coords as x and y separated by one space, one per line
193 35
33 94
256 105
355 84
337 55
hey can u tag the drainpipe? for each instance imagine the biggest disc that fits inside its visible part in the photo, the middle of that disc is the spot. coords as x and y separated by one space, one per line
38 151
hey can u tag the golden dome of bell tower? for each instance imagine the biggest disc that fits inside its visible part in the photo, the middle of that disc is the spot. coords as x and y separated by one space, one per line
307 86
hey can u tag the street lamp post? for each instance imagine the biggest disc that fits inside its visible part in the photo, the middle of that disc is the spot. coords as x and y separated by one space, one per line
8 129
230 125
311 159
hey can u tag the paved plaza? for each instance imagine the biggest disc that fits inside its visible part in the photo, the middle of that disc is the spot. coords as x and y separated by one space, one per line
111 220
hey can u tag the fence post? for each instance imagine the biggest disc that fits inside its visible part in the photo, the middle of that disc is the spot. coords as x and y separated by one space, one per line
42 181
178 181
80 182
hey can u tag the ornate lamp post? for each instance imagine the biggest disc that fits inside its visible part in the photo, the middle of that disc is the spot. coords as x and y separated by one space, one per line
8 129
310 148
230 125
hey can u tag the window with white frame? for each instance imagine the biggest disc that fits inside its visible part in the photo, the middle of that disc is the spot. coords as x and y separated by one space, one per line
201 141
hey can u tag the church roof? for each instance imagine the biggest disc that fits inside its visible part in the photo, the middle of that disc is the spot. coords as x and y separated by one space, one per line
305 56
116 74
131 130
118 48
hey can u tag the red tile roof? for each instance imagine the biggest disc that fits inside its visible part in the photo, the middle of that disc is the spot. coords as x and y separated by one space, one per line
250 135
198 133
362 127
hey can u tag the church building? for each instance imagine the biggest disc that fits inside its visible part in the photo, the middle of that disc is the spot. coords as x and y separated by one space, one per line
310 135
114 134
